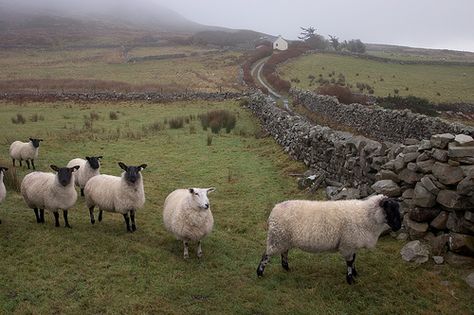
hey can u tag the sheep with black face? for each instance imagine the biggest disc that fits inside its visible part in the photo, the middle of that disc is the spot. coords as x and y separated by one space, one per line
124 194
90 167
187 215
25 151
3 190
50 191
317 226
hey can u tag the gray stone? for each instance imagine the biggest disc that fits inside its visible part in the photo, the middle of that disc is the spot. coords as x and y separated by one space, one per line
439 244
464 140
441 140
461 244
398 164
410 149
347 193
465 160
422 197
410 157
425 166
408 194
331 191
429 185
452 200
447 174
468 215
412 167
458 151
387 187
416 252
470 280
424 145
468 170
456 223
440 155
439 260
409 177
402 236
424 156
423 214
466 187
415 230
453 163
389 166
458 260
411 141
440 221
387 174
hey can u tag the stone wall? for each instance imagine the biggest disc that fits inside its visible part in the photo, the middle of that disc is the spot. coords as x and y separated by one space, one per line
378 123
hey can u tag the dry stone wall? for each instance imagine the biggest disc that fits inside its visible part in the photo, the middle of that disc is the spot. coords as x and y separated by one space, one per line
378 123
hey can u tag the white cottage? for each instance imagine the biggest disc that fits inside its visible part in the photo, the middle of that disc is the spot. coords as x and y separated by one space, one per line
280 44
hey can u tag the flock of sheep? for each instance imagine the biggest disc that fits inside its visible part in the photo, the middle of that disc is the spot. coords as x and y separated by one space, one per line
312 226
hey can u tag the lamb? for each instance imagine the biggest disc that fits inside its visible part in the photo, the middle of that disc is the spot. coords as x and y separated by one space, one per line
187 215
124 194
25 151
50 191
88 169
316 226
3 190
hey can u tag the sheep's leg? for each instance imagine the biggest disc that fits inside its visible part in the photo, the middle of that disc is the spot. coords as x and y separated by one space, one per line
127 222
186 250
28 163
13 162
42 215
33 164
284 261
21 163
91 214
199 250
38 219
66 222
263 262
56 218
100 215
354 272
82 192
350 269
132 218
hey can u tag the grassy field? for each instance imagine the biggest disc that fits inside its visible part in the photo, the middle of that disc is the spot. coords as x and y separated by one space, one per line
101 269
209 72
436 83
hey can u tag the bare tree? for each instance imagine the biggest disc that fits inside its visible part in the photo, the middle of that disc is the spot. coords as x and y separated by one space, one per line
307 33
334 42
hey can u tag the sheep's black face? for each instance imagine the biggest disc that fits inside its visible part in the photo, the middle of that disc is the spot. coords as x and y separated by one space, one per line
64 174
132 173
391 208
36 142
3 169
94 161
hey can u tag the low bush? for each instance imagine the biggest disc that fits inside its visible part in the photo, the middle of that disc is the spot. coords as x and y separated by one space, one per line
413 103
19 119
342 93
217 120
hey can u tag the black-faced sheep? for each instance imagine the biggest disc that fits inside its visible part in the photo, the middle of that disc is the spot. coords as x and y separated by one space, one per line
25 151
317 226
90 167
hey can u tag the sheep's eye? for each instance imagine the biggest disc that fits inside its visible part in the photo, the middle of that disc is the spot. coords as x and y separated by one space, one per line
196 194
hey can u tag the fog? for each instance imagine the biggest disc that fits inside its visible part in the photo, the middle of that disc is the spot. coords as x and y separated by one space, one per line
420 23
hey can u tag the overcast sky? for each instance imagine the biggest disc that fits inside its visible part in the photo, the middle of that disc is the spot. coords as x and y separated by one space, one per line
421 23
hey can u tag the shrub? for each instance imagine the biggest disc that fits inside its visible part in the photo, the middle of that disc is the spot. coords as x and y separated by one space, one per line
209 139
218 119
94 116
11 180
343 94
176 122
192 129
413 103
113 115
19 119
36 118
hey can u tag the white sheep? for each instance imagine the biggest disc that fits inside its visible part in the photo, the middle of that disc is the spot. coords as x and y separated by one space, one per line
89 168
187 214
25 151
316 226
3 190
50 191
124 194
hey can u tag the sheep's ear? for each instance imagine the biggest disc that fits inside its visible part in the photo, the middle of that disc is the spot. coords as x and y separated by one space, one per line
88 158
123 166
100 157
191 190
31 139
143 166
5 169
74 168
209 190
40 140
54 168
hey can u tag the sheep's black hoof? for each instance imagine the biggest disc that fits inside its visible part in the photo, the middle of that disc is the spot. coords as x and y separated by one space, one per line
92 221
260 270
285 266
134 228
350 279
354 272
57 225
68 226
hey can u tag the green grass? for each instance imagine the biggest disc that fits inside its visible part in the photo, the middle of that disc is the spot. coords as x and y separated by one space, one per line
102 269
207 73
453 83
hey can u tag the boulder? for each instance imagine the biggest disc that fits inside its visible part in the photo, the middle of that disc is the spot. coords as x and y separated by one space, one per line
423 156
451 200
441 140
440 221
438 260
410 157
409 177
464 140
410 148
456 223
423 214
429 185
387 187
459 260
415 230
439 244
470 280
468 170
456 151
440 155
469 216
425 166
387 174
398 164
422 197
466 187
447 174
461 244
424 145
416 252
408 194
